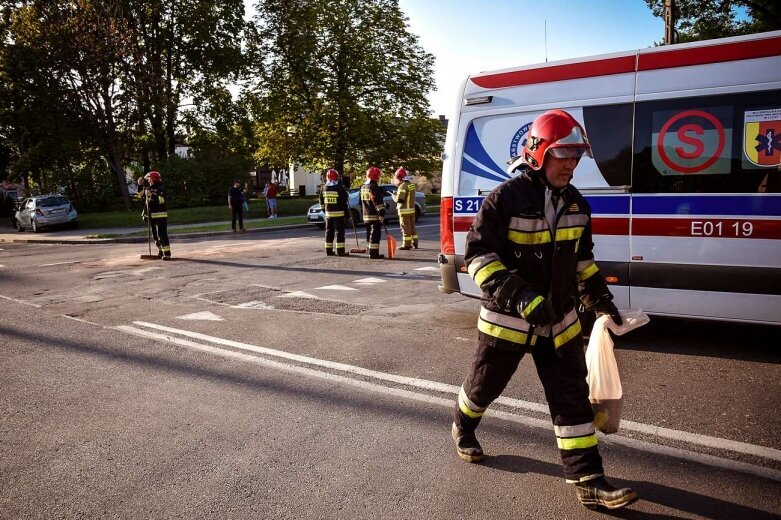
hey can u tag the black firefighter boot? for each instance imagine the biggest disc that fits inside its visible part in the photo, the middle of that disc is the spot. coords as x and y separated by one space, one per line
467 446
599 492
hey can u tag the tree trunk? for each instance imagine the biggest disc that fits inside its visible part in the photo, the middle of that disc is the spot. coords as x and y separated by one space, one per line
115 164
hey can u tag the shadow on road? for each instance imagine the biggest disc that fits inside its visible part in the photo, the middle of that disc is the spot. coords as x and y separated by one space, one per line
738 341
323 269
678 499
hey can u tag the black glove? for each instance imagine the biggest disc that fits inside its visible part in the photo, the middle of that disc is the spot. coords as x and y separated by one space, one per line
535 309
609 308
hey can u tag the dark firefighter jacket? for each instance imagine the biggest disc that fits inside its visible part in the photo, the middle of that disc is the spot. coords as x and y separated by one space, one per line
405 198
156 202
333 200
372 202
511 249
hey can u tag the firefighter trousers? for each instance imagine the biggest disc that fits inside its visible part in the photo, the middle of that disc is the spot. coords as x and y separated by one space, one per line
409 234
563 377
160 234
373 231
334 227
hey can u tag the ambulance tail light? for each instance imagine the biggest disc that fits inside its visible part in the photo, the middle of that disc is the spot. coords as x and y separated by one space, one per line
447 245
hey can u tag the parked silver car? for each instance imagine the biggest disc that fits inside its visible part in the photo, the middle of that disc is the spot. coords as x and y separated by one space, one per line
316 216
44 211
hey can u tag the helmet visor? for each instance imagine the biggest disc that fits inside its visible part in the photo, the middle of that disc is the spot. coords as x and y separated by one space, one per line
568 152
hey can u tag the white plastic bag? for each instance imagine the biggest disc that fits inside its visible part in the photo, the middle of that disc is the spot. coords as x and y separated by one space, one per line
604 383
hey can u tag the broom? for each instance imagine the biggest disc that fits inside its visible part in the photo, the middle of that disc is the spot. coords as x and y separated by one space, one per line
150 256
358 249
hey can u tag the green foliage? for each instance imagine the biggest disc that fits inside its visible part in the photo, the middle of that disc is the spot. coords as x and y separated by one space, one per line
201 180
708 19
343 84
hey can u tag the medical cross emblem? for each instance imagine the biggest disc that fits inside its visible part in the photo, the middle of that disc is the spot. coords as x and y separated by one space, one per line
768 142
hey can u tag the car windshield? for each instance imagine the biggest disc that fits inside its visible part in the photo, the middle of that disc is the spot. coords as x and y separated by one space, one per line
51 201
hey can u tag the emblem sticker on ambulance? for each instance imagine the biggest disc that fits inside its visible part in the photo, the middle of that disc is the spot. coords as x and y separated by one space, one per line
519 139
762 138
692 142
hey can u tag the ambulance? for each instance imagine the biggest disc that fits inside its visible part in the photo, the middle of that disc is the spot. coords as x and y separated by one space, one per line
685 182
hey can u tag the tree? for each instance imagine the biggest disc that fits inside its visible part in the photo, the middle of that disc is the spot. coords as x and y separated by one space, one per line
343 83
116 71
708 19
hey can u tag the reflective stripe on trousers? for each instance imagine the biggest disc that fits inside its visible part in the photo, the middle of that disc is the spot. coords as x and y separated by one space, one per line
563 376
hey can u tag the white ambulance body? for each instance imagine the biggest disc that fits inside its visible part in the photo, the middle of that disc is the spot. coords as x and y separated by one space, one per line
685 183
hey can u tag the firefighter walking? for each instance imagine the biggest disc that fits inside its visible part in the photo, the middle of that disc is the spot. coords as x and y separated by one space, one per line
334 201
157 212
530 252
405 203
373 207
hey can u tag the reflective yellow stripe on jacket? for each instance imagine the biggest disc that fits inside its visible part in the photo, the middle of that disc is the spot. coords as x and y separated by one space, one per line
484 267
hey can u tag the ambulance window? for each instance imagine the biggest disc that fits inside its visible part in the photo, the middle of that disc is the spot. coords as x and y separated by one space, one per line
609 130
709 144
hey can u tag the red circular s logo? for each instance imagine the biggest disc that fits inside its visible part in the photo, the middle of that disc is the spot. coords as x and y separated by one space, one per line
690 135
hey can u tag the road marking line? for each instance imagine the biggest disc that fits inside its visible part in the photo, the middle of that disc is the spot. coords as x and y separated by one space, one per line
21 301
428 268
370 280
253 305
201 316
667 433
60 263
337 287
448 403
299 294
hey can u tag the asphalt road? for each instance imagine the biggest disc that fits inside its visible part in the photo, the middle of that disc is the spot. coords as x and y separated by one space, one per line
254 377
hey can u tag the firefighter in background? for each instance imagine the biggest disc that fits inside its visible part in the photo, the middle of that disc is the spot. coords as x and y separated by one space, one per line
156 210
405 203
373 208
530 252
333 199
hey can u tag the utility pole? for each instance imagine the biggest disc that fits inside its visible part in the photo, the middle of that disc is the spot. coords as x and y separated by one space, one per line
669 22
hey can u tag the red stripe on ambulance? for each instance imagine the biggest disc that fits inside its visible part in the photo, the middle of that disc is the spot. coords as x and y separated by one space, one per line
585 69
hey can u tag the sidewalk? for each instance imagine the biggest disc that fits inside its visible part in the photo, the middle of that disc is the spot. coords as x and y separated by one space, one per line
81 236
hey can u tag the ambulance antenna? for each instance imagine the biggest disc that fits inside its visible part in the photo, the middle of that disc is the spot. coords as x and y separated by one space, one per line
546 40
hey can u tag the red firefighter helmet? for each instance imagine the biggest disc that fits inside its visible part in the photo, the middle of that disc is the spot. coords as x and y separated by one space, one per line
153 177
332 175
401 173
556 133
373 173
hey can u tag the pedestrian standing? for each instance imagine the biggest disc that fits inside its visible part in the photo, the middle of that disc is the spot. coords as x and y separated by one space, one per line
334 201
373 207
156 210
405 204
236 205
530 251
271 198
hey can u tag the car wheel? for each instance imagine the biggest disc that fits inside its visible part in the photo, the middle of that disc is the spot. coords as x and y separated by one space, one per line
417 214
320 226
34 226
18 225
75 225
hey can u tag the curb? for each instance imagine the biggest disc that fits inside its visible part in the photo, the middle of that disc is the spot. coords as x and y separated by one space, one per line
138 240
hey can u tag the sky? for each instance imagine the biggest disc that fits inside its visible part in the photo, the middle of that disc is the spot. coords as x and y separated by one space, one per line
470 36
